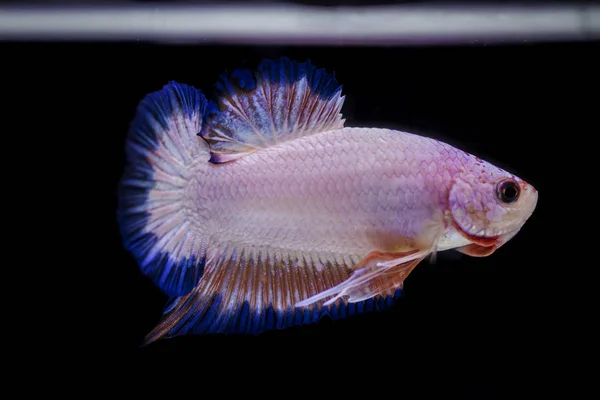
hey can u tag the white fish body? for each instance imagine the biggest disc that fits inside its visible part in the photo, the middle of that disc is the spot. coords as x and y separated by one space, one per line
282 215
339 192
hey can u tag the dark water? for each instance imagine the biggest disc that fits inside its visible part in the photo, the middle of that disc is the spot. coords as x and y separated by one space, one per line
484 321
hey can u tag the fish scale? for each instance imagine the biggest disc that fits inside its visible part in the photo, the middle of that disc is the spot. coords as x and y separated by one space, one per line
279 215
373 203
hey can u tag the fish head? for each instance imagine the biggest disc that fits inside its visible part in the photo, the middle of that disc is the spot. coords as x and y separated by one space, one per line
489 205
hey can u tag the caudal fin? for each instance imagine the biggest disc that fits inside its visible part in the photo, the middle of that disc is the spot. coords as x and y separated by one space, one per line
161 149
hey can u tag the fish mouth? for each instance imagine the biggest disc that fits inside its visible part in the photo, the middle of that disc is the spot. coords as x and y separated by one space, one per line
503 236
487 241
484 241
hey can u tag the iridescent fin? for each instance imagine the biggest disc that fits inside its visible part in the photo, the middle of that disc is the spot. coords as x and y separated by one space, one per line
377 271
160 149
475 250
252 292
277 102
391 279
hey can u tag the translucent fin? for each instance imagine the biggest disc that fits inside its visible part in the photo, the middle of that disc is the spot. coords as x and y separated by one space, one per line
392 279
279 101
375 273
160 149
254 292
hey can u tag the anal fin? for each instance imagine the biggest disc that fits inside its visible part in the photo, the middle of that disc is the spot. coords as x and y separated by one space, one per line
249 292
376 273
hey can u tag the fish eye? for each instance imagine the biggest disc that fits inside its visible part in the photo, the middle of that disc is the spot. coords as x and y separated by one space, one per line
508 191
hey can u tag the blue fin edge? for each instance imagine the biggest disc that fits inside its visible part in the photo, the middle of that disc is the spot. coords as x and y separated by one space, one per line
202 316
154 119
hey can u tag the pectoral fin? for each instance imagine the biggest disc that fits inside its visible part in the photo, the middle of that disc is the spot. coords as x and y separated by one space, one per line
376 273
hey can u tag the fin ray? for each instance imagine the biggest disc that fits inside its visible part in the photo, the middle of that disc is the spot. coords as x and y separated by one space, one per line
161 148
253 291
367 275
277 102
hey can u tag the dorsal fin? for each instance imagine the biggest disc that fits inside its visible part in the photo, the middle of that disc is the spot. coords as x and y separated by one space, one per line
279 101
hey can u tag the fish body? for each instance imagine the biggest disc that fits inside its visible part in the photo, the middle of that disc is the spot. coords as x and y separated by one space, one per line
315 194
261 210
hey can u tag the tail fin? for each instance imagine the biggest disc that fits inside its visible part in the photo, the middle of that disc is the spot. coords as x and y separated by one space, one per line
161 151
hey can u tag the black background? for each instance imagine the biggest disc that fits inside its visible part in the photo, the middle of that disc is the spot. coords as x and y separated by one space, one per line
487 322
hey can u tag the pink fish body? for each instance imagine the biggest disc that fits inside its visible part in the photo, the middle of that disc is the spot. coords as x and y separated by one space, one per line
278 214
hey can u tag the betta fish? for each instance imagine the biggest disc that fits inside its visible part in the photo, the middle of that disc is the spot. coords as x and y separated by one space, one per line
260 210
